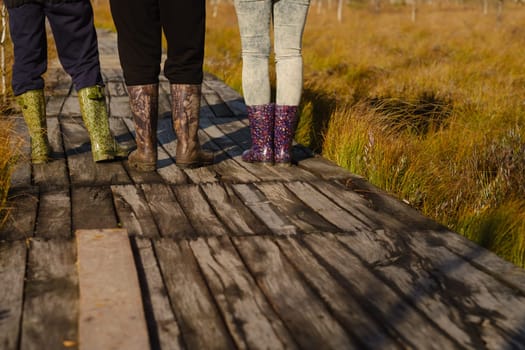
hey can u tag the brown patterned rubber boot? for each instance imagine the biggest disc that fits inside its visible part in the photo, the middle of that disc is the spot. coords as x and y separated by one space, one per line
284 131
93 107
33 107
144 102
186 102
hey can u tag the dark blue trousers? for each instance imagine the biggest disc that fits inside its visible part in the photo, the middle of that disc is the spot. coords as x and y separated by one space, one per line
75 38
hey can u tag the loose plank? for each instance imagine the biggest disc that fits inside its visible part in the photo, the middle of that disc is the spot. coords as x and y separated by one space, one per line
249 317
197 314
50 296
111 315
163 328
133 211
167 212
311 324
12 273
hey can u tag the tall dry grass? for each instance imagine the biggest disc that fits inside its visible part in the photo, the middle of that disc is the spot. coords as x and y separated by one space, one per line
432 111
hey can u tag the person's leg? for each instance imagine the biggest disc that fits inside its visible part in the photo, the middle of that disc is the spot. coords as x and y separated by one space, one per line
183 22
139 39
28 34
254 19
289 20
77 47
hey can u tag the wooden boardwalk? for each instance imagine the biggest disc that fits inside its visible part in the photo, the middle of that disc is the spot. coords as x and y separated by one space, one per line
237 255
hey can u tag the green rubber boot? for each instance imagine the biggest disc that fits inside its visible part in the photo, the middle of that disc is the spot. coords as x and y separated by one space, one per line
33 107
95 116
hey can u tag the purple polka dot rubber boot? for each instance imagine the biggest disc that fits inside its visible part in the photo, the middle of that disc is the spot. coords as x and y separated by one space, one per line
261 131
284 131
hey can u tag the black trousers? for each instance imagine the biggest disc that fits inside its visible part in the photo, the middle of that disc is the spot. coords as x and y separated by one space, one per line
139 26
75 38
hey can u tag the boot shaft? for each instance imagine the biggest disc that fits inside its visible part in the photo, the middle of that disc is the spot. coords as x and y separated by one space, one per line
261 119
186 102
284 132
144 101
33 106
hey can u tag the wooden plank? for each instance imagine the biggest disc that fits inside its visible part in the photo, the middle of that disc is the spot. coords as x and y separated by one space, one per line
133 211
82 169
51 296
54 104
381 301
304 314
20 223
346 308
217 105
54 215
306 219
326 208
119 106
111 315
254 199
53 175
232 212
198 211
197 314
486 313
164 97
21 176
167 212
232 98
324 168
249 317
162 325
12 273
71 105
92 208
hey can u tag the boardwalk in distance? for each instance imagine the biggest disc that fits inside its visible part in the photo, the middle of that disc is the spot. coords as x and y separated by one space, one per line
238 255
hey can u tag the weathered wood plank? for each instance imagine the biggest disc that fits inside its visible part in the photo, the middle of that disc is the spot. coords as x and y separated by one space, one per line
54 104
133 211
199 212
254 199
71 107
167 212
82 169
54 215
21 176
53 175
111 315
197 314
304 314
326 208
12 273
346 307
306 219
488 314
92 208
324 168
162 325
248 315
380 300
233 100
164 97
238 218
20 223
51 296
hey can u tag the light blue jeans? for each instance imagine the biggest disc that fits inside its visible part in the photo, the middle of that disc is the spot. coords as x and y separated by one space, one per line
255 19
